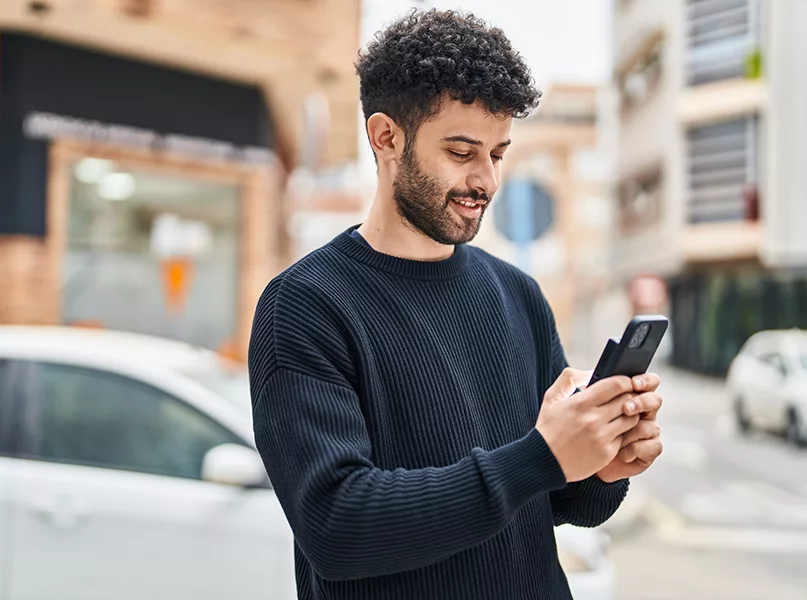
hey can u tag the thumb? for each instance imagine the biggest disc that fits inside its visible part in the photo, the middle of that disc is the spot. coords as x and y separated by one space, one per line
566 384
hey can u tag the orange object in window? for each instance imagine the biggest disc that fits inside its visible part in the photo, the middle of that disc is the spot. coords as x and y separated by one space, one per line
176 275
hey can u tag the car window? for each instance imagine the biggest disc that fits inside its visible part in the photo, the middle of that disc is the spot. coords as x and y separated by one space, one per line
774 360
7 396
90 417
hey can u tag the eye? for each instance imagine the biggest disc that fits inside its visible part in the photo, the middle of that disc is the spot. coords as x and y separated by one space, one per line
459 155
496 157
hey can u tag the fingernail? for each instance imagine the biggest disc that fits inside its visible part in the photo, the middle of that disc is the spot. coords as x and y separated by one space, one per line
631 406
639 382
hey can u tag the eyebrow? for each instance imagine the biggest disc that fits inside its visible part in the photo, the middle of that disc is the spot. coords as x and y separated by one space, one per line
466 140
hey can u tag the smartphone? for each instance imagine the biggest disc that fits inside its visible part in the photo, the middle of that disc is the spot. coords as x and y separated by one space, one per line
632 353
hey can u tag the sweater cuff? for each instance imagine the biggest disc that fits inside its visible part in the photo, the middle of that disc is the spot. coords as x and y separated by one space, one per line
524 468
604 492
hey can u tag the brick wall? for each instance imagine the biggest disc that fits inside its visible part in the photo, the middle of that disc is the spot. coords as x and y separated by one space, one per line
27 285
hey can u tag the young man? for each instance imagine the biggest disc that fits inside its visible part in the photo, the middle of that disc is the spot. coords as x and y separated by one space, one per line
411 398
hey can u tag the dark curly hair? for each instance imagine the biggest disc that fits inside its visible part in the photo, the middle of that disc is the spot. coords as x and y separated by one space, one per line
427 56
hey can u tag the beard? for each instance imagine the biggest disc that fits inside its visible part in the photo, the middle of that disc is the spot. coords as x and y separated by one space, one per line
424 201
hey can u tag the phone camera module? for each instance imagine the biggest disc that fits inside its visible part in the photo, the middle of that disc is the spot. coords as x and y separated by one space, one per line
639 336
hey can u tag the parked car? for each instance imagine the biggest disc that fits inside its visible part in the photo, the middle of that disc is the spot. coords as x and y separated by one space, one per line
128 471
768 383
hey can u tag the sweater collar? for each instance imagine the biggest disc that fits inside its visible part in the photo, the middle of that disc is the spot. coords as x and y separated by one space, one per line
448 268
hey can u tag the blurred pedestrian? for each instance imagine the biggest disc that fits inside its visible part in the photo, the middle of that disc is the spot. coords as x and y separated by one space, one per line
397 373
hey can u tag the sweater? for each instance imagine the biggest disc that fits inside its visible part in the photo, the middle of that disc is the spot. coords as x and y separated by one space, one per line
394 407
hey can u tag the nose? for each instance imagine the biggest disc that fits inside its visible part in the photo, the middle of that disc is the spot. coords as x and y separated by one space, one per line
485 177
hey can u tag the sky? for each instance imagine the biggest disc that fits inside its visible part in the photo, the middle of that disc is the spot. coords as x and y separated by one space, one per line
563 41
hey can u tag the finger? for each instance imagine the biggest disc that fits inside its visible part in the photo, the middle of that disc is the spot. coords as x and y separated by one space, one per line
643 450
648 403
616 407
566 383
620 426
644 430
605 390
646 382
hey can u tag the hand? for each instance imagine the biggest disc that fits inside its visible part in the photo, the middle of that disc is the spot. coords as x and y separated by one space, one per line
642 444
584 431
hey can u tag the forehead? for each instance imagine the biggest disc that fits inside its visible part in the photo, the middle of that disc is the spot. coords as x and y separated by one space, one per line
457 118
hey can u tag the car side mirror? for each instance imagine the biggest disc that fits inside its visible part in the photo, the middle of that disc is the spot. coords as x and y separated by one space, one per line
233 464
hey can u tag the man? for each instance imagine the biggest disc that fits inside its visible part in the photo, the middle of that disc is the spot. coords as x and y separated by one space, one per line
397 374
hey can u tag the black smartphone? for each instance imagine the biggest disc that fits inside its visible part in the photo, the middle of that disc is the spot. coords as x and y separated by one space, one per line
632 353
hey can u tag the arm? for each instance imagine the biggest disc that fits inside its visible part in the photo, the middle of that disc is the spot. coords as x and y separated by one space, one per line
351 518
590 502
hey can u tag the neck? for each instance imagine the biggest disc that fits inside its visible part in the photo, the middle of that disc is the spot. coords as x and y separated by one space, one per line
389 233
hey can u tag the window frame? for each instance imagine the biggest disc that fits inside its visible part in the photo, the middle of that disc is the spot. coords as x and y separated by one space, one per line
8 406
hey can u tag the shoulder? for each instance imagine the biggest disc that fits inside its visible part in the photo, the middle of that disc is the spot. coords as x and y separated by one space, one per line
304 284
298 322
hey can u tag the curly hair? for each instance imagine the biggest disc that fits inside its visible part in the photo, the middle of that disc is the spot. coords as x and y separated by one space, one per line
426 56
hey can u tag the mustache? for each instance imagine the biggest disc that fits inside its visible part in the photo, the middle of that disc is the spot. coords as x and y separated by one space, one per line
467 195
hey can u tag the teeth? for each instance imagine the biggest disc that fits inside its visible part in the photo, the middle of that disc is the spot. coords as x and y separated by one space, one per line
468 204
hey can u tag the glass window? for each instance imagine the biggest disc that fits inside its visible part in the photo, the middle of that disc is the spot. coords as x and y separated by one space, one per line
722 164
88 417
774 360
723 39
7 398
151 253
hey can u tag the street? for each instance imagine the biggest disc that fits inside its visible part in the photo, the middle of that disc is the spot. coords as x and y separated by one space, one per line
719 515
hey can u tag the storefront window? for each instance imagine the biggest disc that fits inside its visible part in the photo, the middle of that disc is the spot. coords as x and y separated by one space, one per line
715 313
151 253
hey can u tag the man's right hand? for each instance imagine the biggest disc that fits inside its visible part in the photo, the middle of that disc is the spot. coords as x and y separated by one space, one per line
584 431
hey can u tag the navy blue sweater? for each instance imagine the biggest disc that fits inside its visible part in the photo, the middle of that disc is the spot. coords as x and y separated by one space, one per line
394 406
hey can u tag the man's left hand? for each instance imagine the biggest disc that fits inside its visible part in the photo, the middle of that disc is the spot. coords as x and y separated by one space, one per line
642 444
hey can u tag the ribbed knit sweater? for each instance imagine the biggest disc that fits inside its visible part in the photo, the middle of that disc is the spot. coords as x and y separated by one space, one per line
394 406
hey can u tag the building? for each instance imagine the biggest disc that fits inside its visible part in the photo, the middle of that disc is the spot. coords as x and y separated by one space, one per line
710 184
552 214
145 147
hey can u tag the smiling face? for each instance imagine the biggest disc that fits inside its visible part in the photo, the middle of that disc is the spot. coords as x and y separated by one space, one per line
448 174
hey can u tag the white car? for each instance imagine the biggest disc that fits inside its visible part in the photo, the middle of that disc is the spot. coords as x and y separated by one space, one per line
583 554
128 471
768 384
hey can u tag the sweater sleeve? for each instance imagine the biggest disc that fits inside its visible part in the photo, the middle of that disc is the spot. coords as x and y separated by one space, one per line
587 503
350 518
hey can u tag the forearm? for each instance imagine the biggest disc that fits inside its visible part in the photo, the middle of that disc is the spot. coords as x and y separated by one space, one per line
354 520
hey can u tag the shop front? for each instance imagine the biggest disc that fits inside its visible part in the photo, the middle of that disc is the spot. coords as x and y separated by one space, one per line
133 196
714 312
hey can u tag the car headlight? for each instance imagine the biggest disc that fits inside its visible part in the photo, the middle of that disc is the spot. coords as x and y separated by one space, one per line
572 562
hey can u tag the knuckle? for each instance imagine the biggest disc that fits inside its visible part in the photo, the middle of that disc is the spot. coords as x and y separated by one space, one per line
591 423
625 383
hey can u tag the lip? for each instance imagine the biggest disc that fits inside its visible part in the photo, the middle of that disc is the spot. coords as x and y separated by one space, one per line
467 211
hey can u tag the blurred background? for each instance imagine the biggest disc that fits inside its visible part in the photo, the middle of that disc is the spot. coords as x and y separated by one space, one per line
162 160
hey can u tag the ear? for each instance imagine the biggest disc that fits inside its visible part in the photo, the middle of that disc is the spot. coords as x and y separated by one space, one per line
386 138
